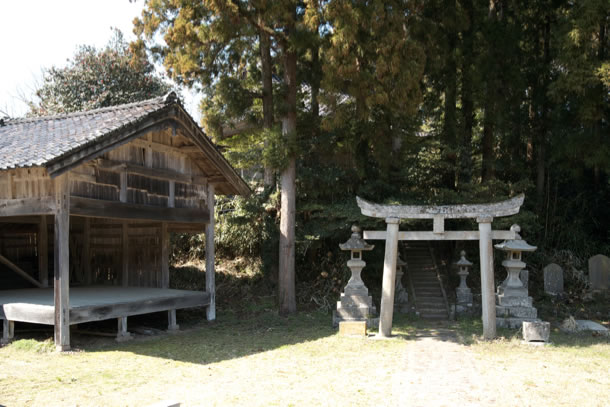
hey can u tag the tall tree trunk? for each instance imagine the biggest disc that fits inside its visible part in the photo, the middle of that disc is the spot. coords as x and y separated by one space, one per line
315 83
489 122
268 119
449 126
465 175
287 297
544 117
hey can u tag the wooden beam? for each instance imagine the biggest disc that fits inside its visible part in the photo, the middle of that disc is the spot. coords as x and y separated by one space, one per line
117 310
98 208
19 271
27 206
164 256
43 252
210 257
447 235
156 173
62 265
148 160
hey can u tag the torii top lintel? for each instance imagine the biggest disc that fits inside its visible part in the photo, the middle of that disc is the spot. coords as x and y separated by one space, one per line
492 210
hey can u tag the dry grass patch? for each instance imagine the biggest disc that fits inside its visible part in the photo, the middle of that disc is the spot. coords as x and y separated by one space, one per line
260 359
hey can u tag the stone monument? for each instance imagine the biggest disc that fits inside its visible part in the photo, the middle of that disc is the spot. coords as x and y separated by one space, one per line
463 303
553 279
355 304
599 272
401 296
513 305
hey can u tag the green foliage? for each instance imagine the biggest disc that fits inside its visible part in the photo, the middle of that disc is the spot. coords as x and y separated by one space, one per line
97 78
437 102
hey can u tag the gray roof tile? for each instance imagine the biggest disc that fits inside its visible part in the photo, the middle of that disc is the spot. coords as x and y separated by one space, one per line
39 140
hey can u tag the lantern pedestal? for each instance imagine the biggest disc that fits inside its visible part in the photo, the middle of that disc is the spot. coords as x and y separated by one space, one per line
355 303
513 304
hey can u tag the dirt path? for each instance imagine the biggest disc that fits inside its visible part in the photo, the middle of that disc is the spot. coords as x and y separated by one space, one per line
439 371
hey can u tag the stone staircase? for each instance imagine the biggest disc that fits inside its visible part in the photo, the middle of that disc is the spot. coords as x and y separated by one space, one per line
430 301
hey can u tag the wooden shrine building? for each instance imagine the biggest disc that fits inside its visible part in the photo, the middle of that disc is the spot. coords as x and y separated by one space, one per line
87 201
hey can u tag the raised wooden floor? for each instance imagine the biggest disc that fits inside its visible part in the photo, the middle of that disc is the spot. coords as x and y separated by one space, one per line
95 303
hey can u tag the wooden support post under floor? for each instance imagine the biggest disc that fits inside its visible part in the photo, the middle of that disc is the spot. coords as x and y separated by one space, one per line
62 266
122 334
210 278
172 322
8 331
386 311
488 298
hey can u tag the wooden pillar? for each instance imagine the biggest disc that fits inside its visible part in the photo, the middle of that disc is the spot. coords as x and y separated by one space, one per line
171 319
386 312
125 254
62 266
210 278
171 200
488 297
8 331
43 252
87 251
164 256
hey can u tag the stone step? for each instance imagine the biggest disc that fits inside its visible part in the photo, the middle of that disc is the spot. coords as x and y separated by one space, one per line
432 285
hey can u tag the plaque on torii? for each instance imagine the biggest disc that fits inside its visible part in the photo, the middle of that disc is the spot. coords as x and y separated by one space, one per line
483 213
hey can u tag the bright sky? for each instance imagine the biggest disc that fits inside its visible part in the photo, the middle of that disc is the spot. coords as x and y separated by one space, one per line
38 34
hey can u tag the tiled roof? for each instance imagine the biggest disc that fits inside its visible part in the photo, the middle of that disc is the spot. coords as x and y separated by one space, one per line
36 141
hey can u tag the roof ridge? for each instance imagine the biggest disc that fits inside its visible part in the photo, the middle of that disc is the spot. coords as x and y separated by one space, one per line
168 98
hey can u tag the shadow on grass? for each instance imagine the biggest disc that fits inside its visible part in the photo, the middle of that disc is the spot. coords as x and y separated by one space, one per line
232 335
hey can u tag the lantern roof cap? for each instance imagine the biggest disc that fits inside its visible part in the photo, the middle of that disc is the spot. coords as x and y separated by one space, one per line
355 242
462 261
515 245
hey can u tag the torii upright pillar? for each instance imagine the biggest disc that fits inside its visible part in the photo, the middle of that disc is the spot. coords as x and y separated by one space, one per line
488 298
386 312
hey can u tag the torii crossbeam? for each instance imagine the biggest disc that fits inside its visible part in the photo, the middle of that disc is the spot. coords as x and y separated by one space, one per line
483 213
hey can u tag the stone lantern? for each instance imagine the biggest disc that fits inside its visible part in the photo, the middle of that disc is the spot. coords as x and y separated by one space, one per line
355 303
514 306
401 296
463 293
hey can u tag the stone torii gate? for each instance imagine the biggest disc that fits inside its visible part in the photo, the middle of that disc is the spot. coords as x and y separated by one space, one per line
483 214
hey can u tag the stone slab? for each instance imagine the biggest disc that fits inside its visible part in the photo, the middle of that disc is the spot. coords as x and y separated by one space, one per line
511 301
599 272
553 279
513 323
536 331
516 312
586 325
352 328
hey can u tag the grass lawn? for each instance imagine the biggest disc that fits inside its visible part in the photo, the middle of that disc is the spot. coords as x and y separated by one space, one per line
259 359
